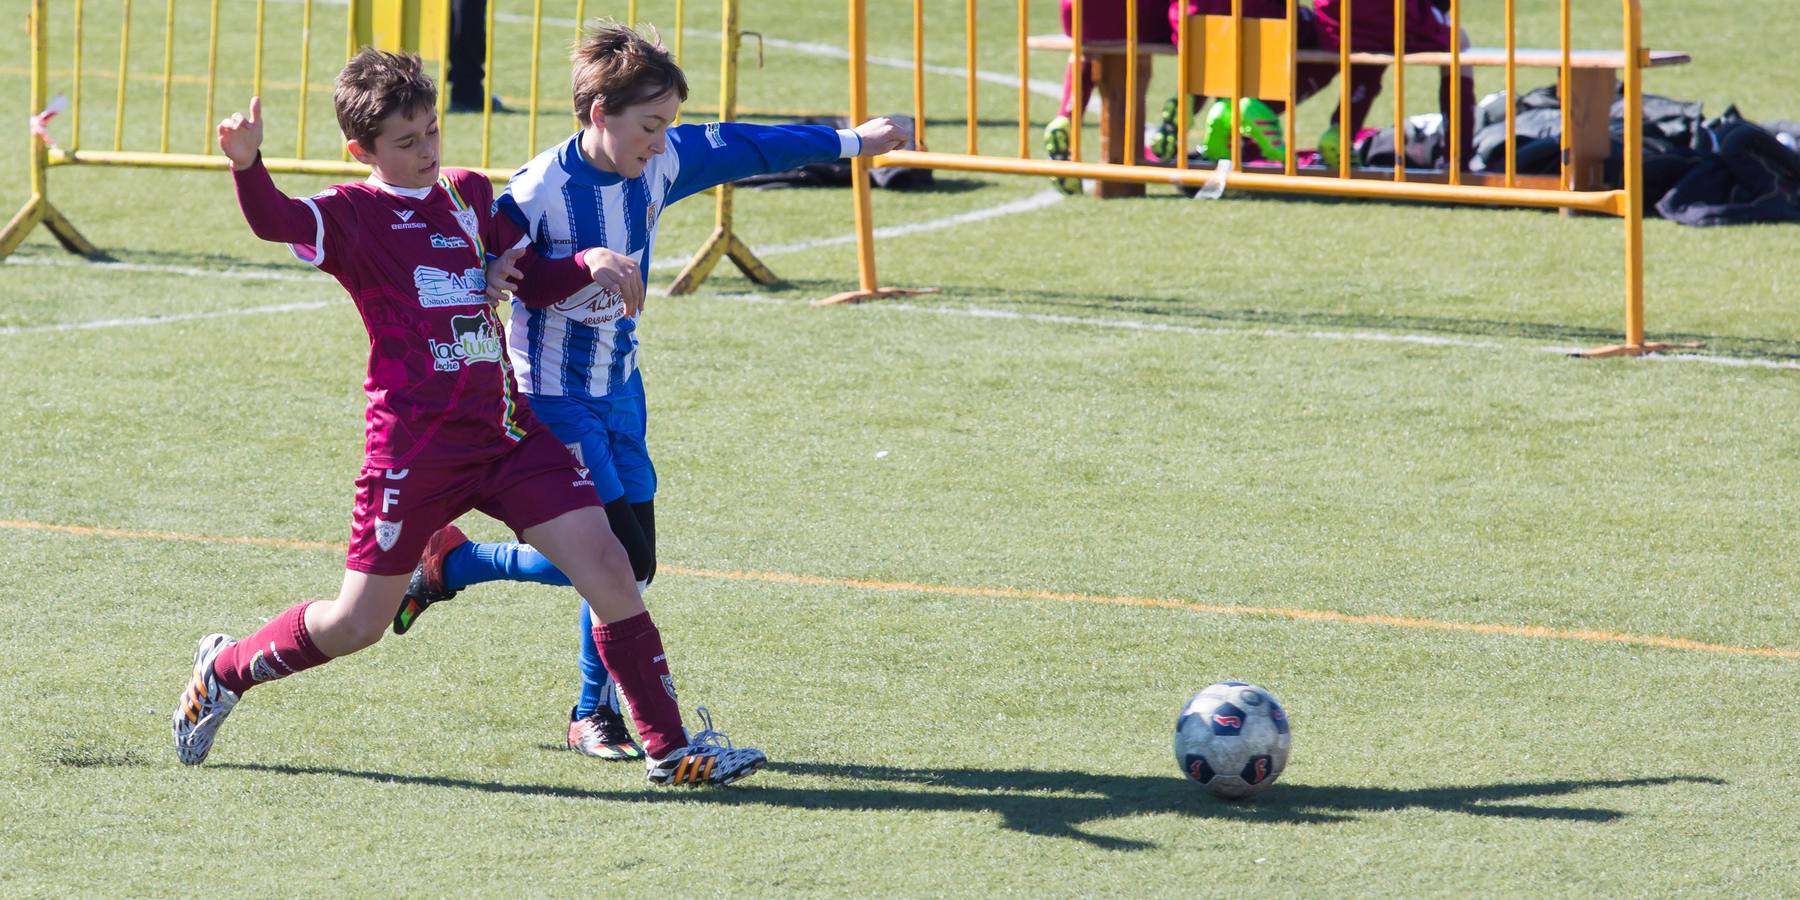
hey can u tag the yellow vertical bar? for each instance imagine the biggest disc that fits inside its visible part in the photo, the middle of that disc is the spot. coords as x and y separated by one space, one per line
680 27
350 51
168 70
443 94
1346 140
1512 96
1564 82
728 54
40 91
1024 84
581 21
631 13
1183 84
969 79
1634 175
75 104
1078 66
1133 132
859 167
918 74
212 80
537 47
306 10
1456 122
1292 163
124 64
487 89
1399 90
256 76
1237 78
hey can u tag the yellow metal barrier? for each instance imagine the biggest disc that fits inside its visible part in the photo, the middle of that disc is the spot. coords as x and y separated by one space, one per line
420 26
1235 56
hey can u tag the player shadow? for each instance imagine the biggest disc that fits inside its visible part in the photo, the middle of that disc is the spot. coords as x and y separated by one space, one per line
1060 803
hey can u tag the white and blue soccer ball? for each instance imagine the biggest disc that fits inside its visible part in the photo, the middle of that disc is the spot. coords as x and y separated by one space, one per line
1232 738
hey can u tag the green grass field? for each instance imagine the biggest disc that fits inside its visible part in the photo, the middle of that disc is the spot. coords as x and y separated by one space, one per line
955 563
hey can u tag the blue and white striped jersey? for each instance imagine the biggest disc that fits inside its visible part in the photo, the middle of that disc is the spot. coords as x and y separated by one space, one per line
564 204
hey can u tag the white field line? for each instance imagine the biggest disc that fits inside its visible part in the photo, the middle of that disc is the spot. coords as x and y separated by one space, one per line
1038 86
168 319
1029 204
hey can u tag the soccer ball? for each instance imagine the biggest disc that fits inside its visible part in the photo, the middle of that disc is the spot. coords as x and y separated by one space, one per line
1233 738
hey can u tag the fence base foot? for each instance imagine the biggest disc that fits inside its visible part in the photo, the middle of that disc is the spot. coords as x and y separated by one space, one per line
1635 349
38 210
722 244
876 294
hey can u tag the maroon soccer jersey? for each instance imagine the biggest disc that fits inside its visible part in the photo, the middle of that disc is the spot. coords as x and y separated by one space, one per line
440 389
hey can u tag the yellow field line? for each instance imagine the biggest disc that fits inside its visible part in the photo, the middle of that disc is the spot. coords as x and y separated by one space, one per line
912 587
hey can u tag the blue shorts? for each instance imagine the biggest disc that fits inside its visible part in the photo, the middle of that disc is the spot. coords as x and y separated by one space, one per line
606 434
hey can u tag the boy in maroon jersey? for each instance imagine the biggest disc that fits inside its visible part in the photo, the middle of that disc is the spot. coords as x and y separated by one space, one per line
447 431
1371 30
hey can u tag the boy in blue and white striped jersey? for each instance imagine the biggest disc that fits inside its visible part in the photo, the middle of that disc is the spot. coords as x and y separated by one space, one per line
585 215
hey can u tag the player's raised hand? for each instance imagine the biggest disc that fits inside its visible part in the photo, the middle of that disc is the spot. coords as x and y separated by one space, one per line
503 274
241 137
879 135
618 273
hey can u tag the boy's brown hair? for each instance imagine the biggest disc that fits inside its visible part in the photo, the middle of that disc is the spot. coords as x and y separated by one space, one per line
619 67
376 84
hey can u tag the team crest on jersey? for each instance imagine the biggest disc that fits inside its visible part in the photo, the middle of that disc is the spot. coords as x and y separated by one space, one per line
650 217
387 533
445 242
714 136
472 340
471 225
440 288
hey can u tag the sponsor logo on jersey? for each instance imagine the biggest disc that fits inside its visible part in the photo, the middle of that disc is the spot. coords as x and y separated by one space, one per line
404 214
440 288
472 341
405 225
442 242
593 306
714 136
387 533
650 217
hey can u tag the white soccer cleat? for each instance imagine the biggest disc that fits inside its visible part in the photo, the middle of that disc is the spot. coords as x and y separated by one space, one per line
708 758
204 704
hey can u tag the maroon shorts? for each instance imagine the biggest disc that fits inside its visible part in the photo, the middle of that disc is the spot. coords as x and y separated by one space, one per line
1372 28
1104 20
398 509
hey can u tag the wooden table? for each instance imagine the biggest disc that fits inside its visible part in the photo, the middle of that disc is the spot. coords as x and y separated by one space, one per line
1592 88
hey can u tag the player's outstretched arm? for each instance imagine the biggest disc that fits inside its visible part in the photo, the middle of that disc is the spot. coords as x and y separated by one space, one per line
880 135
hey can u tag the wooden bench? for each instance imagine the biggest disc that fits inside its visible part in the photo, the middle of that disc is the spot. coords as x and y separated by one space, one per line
1593 85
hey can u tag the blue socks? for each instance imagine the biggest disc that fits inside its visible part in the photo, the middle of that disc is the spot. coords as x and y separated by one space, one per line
474 563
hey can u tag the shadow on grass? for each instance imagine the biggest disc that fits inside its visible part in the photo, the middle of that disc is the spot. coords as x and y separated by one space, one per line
1054 803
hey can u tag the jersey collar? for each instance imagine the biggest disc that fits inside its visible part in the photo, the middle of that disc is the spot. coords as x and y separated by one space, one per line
410 193
582 171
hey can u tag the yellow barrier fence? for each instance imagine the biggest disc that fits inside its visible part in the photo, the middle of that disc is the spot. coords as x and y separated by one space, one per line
1234 56
420 26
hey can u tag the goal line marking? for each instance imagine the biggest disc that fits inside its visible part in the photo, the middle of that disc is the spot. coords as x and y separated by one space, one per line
1541 632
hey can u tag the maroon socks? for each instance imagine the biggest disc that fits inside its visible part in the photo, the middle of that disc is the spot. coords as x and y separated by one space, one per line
276 650
633 652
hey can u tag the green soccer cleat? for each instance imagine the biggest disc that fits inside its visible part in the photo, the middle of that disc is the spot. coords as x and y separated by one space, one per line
427 584
1166 144
1056 146
1216 144
1329 147
602 735
1263 127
